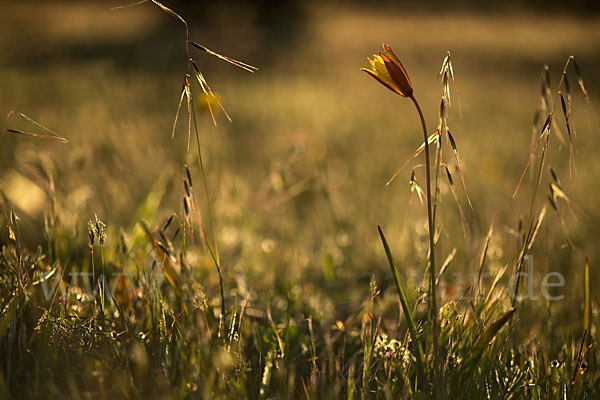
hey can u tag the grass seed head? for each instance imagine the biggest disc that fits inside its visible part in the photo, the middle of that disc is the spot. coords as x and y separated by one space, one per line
100 230
91 232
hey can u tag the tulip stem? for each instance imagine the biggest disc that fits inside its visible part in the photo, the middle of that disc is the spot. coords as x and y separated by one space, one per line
432 285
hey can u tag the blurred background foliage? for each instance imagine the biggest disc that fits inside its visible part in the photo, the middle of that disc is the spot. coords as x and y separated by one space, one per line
298 179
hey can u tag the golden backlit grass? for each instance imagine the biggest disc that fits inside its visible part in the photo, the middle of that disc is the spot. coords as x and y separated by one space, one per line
298 178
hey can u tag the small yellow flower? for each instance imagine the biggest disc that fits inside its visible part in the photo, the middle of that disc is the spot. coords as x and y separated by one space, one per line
389 71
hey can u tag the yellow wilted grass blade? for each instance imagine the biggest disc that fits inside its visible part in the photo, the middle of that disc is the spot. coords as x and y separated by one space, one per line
536 229
497 278
445 265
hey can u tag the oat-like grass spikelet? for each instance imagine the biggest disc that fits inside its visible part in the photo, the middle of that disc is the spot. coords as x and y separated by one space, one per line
230 60
463 219
169 263
208 93
53 135
415 187
433 138
446 75
567 115
556 193
544 131
459 167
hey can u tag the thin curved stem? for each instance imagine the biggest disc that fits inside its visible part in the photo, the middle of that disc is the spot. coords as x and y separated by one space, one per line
432 269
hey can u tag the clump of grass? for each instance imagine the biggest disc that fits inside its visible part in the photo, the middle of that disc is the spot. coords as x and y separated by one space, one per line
169 327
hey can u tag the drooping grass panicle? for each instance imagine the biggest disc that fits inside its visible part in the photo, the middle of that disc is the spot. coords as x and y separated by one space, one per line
202 81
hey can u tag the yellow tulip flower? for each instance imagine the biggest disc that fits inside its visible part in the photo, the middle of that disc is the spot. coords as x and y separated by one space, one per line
389 71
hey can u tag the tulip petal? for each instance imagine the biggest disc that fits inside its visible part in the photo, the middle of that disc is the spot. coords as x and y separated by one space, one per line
380 80
398 77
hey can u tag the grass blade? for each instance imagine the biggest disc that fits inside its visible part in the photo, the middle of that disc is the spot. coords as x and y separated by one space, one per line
587 305
483 258
412 328
483 342
579 357
445 265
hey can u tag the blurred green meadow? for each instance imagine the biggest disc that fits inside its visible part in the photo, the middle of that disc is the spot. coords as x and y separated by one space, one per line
298 179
